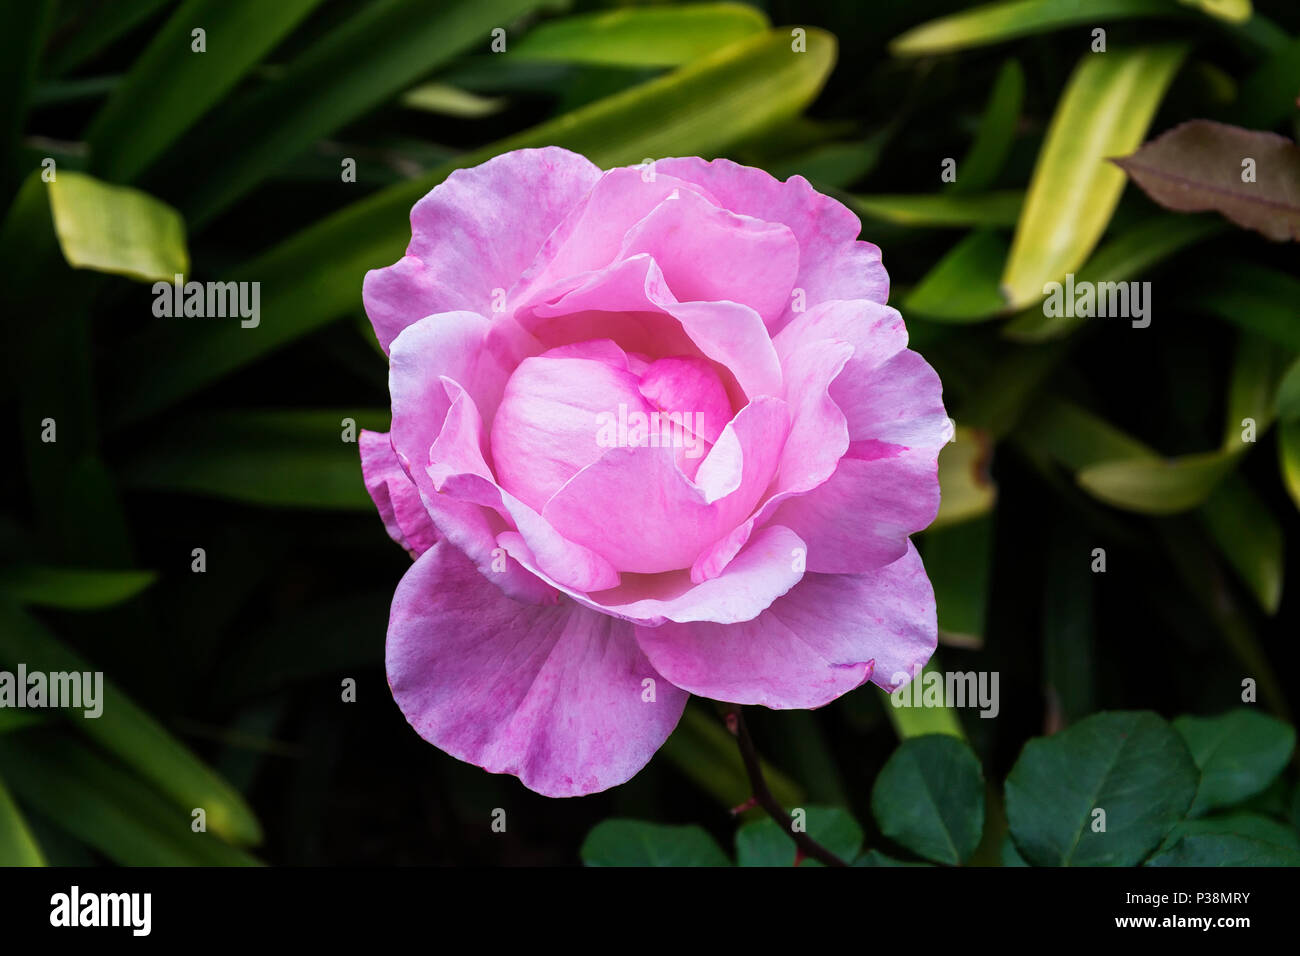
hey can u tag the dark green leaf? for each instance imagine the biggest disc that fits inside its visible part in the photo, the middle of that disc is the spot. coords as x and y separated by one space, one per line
1239 754
636 843
1130 764
929 797
763 843
170 85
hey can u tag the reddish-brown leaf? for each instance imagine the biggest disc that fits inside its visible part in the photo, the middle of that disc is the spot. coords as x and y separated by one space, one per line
1203 165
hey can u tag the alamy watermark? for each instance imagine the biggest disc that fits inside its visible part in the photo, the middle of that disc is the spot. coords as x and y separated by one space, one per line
72 690
638 429
209 300
1084 300
948 689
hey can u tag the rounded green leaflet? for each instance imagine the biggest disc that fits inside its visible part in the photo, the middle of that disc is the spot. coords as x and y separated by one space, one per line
762 843
1239 754
1104 792
929 797
637 843
1236 839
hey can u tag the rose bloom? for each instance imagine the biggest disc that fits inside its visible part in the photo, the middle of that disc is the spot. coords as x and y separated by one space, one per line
654 433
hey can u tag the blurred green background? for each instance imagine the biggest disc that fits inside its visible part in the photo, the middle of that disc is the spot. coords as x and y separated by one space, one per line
175 434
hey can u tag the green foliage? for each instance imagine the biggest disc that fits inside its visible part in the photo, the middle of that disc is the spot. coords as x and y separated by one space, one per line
929 797
1104 792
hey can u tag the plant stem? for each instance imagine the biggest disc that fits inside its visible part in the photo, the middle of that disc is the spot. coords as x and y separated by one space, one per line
808 847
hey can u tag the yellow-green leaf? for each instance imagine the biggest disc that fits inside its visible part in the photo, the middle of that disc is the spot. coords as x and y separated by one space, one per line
998 22
116 229
1104 112
965 486
641 36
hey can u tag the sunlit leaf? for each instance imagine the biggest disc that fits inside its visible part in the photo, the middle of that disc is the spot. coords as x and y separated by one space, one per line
1124 258
967 491
1104 112
107 807
913 714
641 36
116 229
450 101
998 22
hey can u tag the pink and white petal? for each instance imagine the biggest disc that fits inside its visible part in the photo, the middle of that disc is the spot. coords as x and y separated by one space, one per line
664 519
860 519
461 346
710 254
690 385
590 236
819 433
760 575
459 472
475 233
395 494
547 427
554 695
833 263
828 635
900 402
768 568
621 298
876 332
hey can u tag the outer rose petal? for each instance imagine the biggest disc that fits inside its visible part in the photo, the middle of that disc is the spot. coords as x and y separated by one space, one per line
886 487
476 232
833 264
828 635
395 494
552 695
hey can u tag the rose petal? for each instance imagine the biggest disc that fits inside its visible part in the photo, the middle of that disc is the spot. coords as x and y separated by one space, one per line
476 233
833 264
554 695
395 494
828 635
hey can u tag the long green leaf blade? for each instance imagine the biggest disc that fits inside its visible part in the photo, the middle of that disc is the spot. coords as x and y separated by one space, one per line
135 737
1104 112
171 85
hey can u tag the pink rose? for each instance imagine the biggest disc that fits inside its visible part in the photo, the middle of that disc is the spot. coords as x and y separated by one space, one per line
655 433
